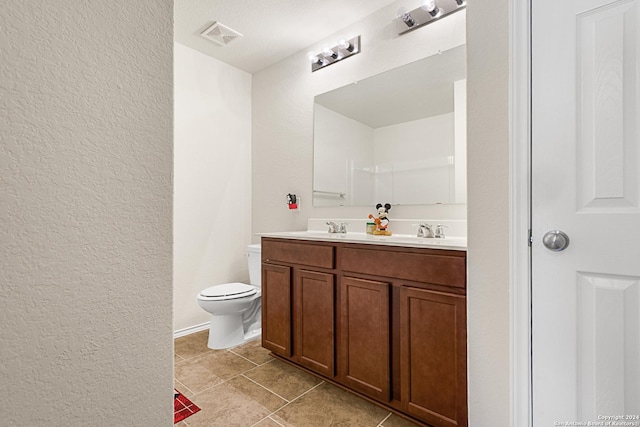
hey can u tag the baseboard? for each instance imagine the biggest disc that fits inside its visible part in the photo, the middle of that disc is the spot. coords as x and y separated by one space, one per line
191 330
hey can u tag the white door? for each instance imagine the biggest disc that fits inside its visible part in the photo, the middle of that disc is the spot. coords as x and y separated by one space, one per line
586 183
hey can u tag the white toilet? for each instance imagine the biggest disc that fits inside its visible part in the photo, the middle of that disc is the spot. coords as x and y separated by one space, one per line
235 307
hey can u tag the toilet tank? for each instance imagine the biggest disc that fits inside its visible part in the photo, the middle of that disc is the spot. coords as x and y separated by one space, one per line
254 253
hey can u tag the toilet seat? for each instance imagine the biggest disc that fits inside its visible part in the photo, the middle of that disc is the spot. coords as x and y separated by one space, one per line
228 291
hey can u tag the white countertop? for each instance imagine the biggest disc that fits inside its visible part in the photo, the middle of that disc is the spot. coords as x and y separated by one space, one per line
404 240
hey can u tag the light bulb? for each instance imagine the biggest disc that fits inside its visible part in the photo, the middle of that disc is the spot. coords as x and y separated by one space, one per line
329 53
344 44
430 6
406 17
314 58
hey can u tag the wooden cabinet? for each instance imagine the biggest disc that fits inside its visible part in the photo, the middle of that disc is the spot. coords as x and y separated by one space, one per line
276 309
298 303
365 346
433 356
314 321
388 323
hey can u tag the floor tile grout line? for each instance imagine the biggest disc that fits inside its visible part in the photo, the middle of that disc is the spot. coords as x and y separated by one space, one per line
227 380
195 356
312 388
177 380
214 385
248 360
270 391
222 381
258 366
267 417
385 419
275 421
288 402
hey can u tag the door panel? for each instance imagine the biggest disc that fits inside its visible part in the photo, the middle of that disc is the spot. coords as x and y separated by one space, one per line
606 143
608 335
586 182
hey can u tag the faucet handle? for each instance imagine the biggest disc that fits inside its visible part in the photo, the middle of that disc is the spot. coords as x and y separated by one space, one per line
424 230
439 233
333 228
343 227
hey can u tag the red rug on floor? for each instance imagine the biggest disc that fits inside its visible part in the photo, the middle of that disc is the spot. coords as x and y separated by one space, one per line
182 407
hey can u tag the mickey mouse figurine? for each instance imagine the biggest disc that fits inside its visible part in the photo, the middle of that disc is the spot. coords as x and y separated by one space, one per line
382 222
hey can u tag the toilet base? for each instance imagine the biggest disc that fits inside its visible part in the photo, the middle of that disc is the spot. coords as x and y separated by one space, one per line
228 331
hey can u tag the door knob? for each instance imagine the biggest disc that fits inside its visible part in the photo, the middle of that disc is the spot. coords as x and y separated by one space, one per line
555 240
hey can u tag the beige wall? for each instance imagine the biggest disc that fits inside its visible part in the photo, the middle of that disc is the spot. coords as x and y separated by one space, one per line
212 180
85 213
282 117
488 210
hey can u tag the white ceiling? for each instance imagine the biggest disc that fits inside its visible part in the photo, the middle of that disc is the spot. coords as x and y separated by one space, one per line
272 29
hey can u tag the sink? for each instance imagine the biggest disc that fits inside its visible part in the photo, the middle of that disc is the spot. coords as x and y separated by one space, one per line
455 243
315 235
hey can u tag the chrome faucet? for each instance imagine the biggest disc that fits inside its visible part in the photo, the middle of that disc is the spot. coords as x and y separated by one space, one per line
425 230
335 228
439 233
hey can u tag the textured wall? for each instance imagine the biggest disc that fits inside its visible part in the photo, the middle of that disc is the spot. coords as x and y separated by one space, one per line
488 205
282 117
85 212
212 179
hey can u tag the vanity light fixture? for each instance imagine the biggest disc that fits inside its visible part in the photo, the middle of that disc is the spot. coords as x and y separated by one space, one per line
428 11
331 55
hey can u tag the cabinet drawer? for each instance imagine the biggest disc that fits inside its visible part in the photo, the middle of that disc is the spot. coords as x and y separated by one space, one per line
448 270
313 255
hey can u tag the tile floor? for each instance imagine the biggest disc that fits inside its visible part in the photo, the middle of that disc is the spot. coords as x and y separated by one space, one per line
244 386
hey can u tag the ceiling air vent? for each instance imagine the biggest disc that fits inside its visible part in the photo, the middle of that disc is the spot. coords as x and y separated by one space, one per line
220 34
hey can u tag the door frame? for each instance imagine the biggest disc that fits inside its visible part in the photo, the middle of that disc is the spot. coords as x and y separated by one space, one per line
520 281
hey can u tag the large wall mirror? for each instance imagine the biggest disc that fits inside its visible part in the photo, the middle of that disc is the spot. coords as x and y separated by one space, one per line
397 137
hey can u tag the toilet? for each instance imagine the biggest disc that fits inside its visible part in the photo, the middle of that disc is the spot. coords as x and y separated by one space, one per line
235 307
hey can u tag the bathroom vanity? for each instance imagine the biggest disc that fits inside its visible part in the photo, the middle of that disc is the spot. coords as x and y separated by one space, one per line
386 321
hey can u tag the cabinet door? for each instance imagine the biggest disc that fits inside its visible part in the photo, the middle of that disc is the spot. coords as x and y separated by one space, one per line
434 356
364 328
276 309
314 321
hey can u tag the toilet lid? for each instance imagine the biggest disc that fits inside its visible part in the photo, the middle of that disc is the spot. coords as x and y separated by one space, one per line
228 291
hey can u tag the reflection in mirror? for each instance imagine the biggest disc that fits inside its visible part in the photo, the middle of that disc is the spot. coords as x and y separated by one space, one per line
397 137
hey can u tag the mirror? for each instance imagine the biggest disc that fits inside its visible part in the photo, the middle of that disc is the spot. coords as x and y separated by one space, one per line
396 137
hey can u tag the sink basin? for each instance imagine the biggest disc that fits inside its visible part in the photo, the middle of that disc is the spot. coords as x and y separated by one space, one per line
455 243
